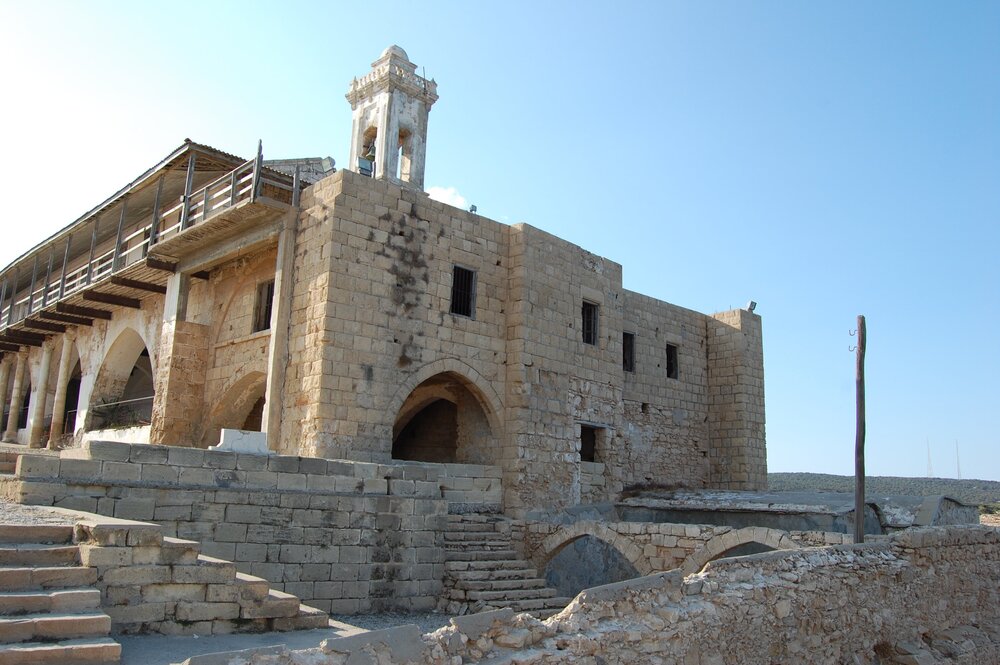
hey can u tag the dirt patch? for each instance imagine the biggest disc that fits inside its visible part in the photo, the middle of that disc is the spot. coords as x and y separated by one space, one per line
990 520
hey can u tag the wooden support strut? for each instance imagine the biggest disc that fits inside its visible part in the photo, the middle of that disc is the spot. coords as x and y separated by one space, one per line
34 277
22 337
66 318
159 264
13 299
188 183
154 227
86 312
7 346
137 284
111 299
48 277
93 248
44 325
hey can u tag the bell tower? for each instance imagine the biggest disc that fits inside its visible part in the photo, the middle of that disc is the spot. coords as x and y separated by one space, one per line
389 133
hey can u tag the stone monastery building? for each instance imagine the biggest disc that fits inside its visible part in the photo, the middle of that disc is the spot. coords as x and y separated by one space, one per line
348 316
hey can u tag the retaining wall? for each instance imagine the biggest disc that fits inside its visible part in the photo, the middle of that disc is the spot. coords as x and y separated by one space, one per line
925 596
344 537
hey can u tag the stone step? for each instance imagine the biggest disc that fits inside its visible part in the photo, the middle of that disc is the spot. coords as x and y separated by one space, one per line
466 576
308 618
33 602
36 533
460 537
34 554
277 604
482 555
479 546
43 627
21 578
92 651
495 564
489 584
510 595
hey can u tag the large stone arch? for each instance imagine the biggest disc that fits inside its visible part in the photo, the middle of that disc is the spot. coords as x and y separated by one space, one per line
238 399
446 412
557 541
116 373
717 547
483 390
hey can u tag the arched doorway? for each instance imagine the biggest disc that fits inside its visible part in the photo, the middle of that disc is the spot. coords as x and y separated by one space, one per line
585 562
72 399
124 388
444 420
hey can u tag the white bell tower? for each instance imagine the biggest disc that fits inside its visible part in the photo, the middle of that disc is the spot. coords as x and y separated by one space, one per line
389 134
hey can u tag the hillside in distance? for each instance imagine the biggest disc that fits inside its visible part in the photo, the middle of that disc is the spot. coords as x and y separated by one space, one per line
975 492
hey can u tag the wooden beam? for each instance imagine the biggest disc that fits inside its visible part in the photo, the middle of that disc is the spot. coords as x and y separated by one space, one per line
136 284
86 312
111 299
157 264
188 183
7 346
93 248
31 290
13 300
43 325
201 274
22 338
48 278
66 318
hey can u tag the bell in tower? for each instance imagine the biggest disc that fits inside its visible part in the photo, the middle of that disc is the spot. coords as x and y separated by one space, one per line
389 133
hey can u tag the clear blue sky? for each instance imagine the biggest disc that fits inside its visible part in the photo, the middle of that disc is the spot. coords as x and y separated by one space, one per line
824 159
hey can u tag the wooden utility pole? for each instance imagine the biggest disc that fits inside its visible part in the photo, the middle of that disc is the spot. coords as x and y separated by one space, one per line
859 440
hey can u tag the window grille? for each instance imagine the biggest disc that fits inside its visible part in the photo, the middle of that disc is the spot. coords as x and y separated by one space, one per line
463 292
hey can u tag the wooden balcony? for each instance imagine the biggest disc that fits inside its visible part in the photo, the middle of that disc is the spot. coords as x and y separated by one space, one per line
179 208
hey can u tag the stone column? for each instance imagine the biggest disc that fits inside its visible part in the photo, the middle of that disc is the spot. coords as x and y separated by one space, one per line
10 435
62 380
277 348
36 423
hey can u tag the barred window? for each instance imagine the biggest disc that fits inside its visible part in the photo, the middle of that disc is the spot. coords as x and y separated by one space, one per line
262 306
628 351
672 368
589 316
463 292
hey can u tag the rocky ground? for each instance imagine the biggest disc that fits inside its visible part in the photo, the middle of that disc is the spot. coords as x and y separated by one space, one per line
990 520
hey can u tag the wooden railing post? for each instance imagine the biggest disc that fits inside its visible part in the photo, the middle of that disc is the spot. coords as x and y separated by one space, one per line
258 164
188 183
13 299
154 227
48 276
3 297
93 248
295 187
117 256
34 277
62 279
233 193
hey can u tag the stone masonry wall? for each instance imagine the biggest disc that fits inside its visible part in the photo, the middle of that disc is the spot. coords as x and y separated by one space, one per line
344 537
736 390
370 307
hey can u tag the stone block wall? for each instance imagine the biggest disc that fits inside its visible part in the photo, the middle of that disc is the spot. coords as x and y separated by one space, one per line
737 454
342 536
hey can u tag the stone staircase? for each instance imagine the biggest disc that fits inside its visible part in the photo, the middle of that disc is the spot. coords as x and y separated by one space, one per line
50 608
483 571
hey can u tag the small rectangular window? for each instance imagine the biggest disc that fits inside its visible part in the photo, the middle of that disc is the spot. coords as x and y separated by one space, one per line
628 351
672 368
463 292
588 443
262 306
589 316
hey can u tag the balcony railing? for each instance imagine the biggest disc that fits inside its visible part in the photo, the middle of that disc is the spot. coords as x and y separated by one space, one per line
247 182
